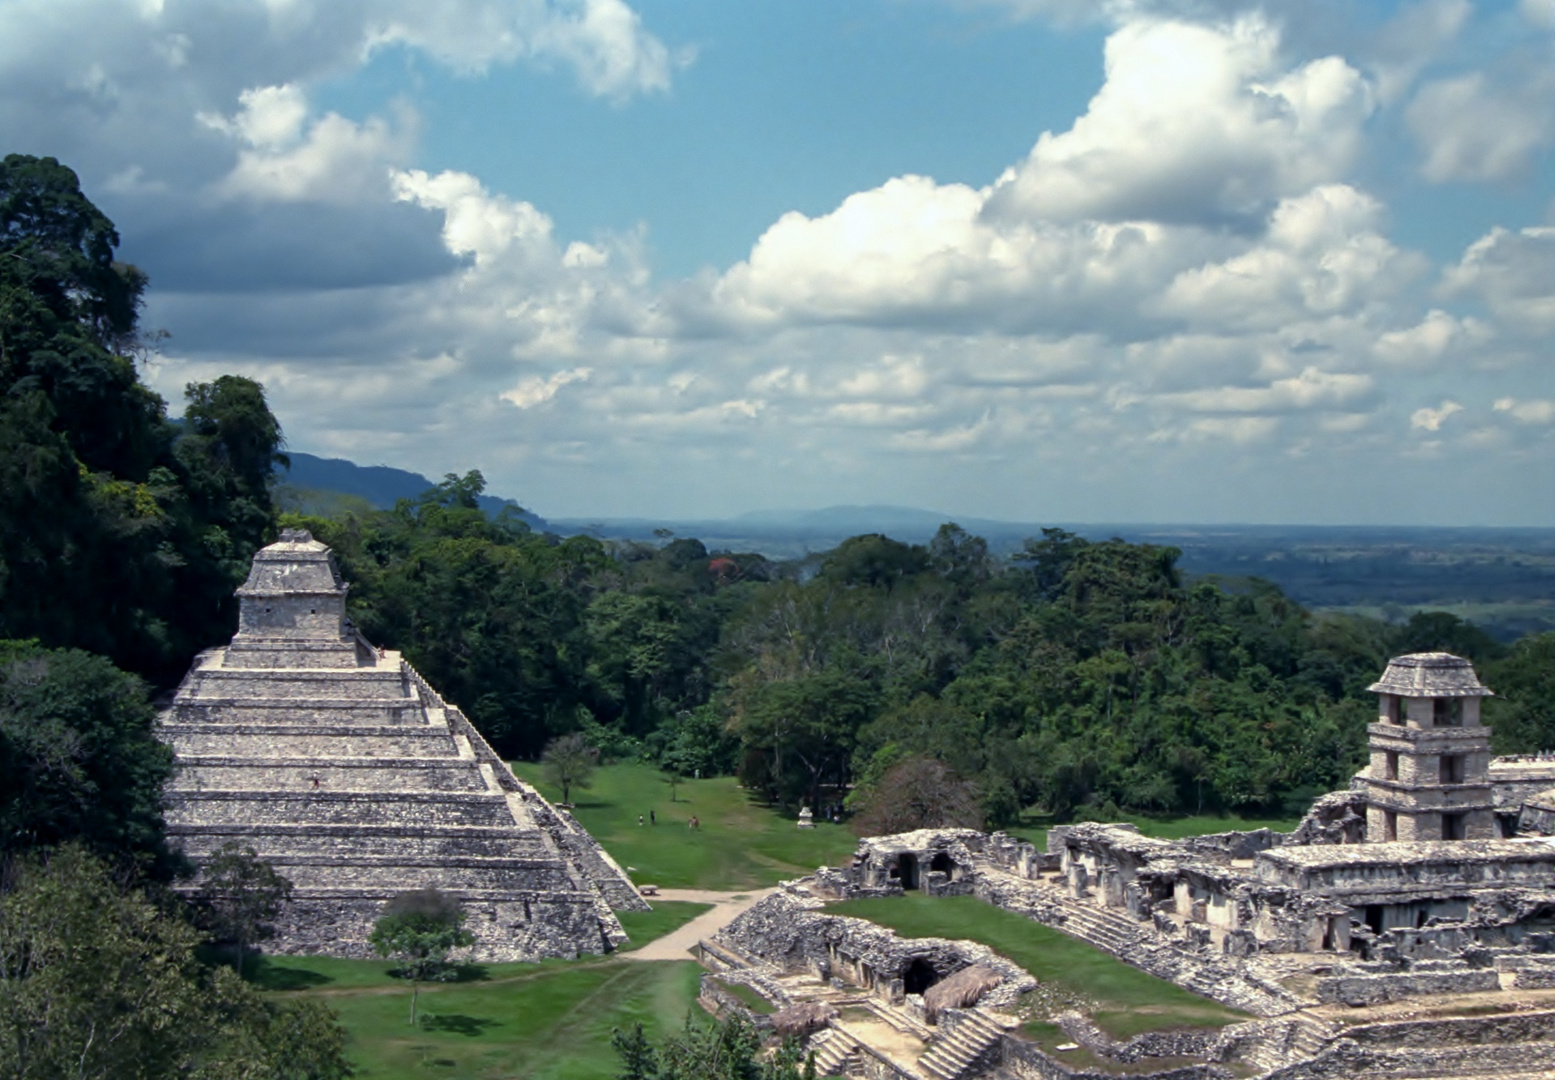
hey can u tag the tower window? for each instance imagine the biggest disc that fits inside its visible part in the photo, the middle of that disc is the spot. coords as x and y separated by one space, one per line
1453 826
1451 769
1389 826
1448 712
1393 709
1390 765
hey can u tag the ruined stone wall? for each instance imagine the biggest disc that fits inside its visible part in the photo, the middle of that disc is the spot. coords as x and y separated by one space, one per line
797 935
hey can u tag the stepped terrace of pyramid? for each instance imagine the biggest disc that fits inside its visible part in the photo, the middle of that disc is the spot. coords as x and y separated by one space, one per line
345 771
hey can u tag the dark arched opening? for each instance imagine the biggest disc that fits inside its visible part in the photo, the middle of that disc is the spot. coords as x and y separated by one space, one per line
1374 917
908 865
942 863
919 976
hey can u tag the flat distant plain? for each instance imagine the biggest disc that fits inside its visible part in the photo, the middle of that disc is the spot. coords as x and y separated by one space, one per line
1501 579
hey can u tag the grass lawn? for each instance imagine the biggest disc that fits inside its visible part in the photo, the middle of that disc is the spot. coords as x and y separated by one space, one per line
553 1022
544 1020
748 997
1034 828
1128 1001
742 844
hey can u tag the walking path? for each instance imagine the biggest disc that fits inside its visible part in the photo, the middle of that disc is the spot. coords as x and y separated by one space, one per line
678 944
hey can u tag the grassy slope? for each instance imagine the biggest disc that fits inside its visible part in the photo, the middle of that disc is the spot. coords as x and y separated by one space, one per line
1128 1001
554 1022
546 1020
741 844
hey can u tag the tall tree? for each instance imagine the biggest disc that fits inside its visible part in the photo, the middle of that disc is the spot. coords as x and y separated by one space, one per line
569 762
419 929
120 532
243 893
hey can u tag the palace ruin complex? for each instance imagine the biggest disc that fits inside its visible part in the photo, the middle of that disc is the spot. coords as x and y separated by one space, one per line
344 770
1405 929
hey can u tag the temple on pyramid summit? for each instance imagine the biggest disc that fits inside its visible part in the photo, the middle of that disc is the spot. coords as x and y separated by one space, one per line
345 771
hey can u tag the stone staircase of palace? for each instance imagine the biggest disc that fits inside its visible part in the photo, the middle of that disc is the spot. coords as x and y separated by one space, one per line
962 1049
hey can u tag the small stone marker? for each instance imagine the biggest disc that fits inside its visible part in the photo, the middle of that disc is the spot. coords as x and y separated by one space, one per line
1067 1046
806 819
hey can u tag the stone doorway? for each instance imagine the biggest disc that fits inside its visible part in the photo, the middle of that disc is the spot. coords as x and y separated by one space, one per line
919 976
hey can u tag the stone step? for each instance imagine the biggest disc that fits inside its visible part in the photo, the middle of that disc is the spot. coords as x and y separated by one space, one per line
514 876
192 742
307 845
260 809
333 711
428 775
954 1052
835 1051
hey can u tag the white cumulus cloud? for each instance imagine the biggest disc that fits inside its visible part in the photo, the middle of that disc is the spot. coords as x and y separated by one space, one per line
1514 273
535 390
287 160
1429 419
1532 411
1195 123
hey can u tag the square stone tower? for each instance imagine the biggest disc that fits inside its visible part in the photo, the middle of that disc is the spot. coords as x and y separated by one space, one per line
1429 777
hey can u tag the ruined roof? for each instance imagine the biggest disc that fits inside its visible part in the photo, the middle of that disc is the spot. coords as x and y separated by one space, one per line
1325 856
296 563
1430 674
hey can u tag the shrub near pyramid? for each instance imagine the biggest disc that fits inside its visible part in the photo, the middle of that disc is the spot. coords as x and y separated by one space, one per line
344 770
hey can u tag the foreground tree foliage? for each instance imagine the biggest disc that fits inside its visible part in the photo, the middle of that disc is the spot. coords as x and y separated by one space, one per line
79 760
722 1050
98 983
121 532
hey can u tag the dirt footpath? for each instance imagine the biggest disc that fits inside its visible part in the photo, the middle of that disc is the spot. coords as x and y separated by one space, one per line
677 945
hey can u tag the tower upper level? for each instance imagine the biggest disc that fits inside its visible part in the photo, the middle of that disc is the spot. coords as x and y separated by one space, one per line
293 608
1433 689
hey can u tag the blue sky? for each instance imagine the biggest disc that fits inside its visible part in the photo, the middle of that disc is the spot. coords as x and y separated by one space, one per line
1123 260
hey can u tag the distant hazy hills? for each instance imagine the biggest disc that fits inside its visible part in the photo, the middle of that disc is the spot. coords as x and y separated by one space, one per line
313 482
1503 579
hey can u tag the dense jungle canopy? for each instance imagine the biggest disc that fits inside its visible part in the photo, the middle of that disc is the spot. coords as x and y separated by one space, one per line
1078 677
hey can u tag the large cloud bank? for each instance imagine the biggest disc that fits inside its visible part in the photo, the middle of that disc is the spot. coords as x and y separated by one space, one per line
1186 304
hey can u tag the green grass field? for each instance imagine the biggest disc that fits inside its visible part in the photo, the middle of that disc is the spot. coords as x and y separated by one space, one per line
1034 828
548 1020
1127 1001
742 844
553 1022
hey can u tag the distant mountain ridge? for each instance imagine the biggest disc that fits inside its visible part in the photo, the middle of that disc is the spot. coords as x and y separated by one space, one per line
380 485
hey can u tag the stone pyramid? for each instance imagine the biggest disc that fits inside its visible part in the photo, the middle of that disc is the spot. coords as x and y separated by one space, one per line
344 770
